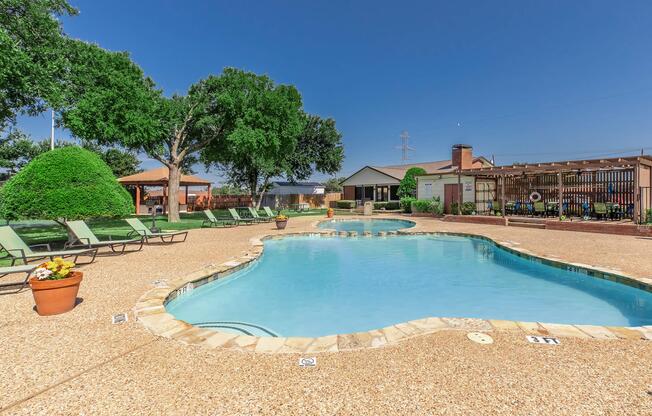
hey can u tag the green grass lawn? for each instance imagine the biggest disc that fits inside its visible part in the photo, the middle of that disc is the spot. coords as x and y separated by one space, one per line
37 232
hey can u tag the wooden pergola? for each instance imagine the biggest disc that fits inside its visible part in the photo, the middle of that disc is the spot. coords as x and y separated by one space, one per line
159 177
621 178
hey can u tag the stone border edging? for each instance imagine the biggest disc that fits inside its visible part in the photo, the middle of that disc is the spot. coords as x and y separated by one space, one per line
150 311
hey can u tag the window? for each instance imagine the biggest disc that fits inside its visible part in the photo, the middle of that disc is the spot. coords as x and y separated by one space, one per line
393 193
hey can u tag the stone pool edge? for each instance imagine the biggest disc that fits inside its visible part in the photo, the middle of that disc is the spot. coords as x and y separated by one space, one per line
150 310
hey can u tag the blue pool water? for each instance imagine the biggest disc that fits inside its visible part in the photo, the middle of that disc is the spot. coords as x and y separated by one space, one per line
312 286
360 226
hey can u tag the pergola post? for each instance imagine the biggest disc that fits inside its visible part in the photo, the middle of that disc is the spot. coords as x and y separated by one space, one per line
637 195
208 196
560 207
137 199
165 197
186 198
459 191
502 195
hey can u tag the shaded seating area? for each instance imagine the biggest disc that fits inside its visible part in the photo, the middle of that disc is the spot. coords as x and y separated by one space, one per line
84 237
16 249
601 189
159 178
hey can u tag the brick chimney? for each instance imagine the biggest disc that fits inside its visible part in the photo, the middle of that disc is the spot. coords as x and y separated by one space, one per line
462 156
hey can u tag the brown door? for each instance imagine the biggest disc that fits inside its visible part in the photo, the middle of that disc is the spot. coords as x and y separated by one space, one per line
450 195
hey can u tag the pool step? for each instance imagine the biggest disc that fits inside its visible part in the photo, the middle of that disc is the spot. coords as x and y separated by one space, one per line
526 223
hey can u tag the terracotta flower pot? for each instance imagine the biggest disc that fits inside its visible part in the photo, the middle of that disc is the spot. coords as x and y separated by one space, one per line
280 224
53 297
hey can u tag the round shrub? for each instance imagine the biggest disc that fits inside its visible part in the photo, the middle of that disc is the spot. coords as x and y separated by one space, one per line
406 203
69 183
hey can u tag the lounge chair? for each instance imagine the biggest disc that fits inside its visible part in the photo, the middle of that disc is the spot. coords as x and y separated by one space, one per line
540 208
24 268
211 221
257 217
238 219
141 230
17 249
269 212
600 210
84 237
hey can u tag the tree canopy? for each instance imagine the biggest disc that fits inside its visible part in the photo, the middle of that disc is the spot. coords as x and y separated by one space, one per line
68 183
408 185
32 61
265 133
17 149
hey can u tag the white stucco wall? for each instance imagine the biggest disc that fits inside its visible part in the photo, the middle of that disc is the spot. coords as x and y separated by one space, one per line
368 176
432 186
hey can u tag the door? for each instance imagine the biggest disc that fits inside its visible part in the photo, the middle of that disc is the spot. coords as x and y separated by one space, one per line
451 195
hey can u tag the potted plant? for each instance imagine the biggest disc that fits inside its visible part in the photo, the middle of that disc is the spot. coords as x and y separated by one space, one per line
330 212
281 221
54 286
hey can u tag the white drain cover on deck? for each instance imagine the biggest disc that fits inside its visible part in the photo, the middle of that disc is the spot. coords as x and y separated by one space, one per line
480 337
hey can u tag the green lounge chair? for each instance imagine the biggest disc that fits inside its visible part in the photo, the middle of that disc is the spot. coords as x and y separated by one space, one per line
257 217
211 221
269 213
600 209
84 237
4 271
238 219
141 230
17 249
540 208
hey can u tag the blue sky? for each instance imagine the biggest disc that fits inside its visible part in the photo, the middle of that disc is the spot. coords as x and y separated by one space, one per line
521 80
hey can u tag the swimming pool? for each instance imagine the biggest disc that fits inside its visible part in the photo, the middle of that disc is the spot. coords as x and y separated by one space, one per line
372 225
315 286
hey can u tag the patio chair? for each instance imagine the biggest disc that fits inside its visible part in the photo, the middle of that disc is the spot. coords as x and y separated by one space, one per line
600 210
212 221
239 219
17 249
269 212
24 268
84 237
255 215
141 230
540 208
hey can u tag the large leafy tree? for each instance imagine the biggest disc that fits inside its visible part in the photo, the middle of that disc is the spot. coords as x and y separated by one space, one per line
408 185
32 58
68 183
259 123
112 102
265 133
16 150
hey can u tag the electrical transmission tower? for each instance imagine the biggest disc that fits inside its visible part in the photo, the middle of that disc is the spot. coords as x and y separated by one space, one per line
405 147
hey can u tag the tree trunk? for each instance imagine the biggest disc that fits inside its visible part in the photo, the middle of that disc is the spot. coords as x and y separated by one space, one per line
173 193
261 194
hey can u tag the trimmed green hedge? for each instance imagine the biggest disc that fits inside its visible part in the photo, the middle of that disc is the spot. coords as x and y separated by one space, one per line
406 203
391 205
468 208
431 206
69 183
345 204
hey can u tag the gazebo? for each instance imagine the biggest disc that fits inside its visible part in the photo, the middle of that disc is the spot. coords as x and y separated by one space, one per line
159 178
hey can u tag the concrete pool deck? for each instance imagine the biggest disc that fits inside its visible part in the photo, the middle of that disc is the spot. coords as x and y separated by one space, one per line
79 363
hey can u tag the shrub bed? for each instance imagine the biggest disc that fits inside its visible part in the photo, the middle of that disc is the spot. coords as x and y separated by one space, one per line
391 205
406 203
345 204
468 208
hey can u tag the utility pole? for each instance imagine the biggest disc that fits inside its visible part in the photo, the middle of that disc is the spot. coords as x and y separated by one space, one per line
405 147
52 132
